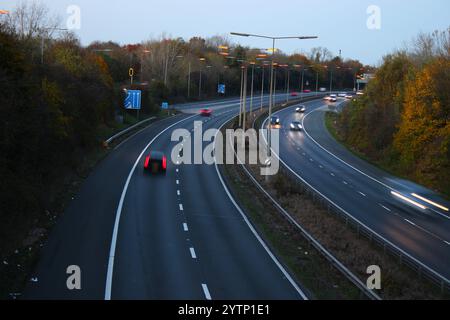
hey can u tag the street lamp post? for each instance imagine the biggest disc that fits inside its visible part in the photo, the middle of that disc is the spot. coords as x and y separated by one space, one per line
317 82
141 75
271 69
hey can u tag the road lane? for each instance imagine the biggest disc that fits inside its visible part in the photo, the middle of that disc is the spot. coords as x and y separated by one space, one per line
217 250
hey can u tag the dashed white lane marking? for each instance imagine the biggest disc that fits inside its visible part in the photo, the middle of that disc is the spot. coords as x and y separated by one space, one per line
311 160
185 227
385 208
177 170
206 291
178 182
363 194
446 242
321 166
410 222
332 174
181 207
193 255
178 193
345 182
304 154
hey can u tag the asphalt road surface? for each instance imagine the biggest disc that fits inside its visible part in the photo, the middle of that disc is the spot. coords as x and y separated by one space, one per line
363 190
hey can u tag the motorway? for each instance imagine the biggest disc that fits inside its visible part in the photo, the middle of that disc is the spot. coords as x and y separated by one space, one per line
363 190
178 236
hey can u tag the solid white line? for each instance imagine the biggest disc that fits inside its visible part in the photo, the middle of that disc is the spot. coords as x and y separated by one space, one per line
181 207
112 250
192 253
206 291
185 227
349 165
362 194
385 208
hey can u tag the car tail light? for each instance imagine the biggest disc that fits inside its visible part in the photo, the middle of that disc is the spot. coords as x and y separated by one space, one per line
164 163
147 161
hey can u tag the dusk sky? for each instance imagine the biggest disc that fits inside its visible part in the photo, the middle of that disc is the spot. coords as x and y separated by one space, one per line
340 25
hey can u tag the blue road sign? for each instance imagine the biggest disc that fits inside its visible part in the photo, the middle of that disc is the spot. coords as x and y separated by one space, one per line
165 106
133 100
221 88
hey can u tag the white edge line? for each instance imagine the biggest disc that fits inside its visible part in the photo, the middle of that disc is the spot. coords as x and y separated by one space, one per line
112 250
260 240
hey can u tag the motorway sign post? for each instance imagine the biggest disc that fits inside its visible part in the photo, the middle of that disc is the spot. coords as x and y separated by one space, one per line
165 106
133 100
131 74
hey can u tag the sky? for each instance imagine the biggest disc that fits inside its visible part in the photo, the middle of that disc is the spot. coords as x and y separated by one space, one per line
340 25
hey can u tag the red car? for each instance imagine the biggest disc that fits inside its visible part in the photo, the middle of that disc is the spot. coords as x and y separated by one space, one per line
294 94
155 162
206 112
306 91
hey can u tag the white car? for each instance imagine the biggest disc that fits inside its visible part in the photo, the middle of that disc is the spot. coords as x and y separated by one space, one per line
300 109
322 89
342 95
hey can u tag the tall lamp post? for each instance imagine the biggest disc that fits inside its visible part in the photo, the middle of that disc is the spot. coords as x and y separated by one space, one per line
43 39
271 70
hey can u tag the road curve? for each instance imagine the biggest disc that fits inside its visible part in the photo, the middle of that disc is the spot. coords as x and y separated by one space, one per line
361 189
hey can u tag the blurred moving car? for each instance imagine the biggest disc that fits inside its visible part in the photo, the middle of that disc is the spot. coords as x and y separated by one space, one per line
307 91
333 98
294 94
300 109
296 126
342 94
348 96
155 162
206 112
322 89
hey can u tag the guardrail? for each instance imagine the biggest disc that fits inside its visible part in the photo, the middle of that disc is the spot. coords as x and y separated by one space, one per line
405 258
121 133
